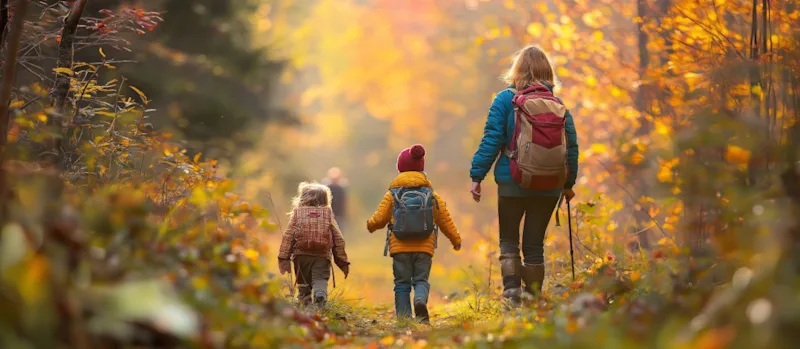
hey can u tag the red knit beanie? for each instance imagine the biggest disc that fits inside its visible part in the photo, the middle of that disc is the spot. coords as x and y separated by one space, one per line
411 159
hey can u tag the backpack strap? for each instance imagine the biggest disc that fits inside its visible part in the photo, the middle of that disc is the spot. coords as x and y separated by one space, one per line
386 247
507 150
395 192
333 275
396 200
435 226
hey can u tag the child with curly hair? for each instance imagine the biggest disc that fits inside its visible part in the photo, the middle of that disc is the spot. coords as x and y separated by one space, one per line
311 238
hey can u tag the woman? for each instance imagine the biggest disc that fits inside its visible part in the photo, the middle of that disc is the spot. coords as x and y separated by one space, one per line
531 67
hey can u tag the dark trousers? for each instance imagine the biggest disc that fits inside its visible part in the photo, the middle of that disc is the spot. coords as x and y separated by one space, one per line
312 274
410 269
537 211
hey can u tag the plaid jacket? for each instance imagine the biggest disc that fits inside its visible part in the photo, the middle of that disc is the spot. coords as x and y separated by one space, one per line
313 231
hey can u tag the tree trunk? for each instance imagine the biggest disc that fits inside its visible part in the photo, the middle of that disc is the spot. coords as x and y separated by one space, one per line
54 155
636 173
9 68
6 85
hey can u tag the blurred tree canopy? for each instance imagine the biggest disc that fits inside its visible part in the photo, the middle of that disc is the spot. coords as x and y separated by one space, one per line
116 232
201 70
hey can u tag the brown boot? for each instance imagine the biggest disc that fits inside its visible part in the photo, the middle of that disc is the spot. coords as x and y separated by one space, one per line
533 277
511 270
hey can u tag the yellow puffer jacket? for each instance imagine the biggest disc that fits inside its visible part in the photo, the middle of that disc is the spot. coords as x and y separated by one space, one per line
383 216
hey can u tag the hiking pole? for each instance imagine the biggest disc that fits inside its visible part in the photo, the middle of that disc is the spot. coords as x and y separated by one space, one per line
571 251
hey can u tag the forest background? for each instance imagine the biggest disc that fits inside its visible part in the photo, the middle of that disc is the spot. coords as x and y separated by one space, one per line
170 144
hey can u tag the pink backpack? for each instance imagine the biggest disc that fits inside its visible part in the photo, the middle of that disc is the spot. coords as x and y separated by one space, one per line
538 150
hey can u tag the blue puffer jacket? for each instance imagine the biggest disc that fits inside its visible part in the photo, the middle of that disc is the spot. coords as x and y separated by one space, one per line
497 135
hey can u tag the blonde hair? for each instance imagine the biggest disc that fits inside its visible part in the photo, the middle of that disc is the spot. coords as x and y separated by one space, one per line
530 66
312 194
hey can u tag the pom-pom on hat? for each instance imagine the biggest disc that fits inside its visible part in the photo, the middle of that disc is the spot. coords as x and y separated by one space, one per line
411 159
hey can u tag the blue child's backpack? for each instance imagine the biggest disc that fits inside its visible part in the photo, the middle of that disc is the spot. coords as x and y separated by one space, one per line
413 214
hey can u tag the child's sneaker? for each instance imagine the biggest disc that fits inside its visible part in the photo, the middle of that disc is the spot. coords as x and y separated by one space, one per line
421 312
319 301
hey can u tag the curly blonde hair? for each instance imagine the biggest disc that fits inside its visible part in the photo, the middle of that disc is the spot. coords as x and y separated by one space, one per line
530 66
312 194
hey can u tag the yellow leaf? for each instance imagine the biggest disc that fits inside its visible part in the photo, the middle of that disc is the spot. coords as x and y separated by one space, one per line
200 282
200 197
678 209
140 93
535 29
664 174
388 340
16 104
597 35
102 53
737 155
591 81
756 90
42 117
109 66
635 275
692 79
598 148
105 113
244 270
251 254
662 128
33 279
65 71
637 158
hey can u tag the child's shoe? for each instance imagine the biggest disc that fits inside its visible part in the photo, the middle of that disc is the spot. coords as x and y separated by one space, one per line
320 301
421 312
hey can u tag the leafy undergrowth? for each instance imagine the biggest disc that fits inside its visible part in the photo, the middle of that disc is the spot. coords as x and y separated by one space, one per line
604 309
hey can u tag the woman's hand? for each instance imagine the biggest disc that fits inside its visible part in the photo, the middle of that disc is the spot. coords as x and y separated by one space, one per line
476 191
568 194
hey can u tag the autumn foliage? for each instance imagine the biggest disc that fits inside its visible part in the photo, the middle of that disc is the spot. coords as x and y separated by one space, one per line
115 233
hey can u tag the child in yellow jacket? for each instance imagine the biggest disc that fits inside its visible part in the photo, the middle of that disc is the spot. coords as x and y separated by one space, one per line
412 258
